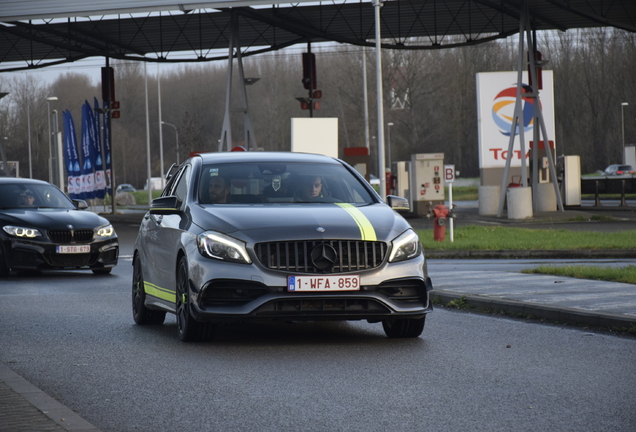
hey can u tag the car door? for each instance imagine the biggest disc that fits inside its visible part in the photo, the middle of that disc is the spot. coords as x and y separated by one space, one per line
161 240
171 228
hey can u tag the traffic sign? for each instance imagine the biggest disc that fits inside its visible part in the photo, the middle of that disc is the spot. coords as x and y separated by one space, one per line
449 173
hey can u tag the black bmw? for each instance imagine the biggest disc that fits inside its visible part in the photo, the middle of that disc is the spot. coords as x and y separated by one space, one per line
43 229
276 236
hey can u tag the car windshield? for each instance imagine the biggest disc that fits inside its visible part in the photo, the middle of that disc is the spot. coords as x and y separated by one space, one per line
20 195
280 183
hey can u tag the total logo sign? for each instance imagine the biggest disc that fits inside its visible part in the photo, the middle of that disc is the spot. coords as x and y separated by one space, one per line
496 100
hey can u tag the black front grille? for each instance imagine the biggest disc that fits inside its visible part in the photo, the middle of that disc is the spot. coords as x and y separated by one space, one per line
322 307
71 236
230 293
351 255
71 260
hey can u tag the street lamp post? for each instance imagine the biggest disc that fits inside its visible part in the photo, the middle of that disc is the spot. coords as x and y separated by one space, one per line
623 105
388 144
5 166
5 171
177 137
48 104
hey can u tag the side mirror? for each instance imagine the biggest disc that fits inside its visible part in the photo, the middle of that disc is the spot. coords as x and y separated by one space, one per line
80 204
165 205
398 203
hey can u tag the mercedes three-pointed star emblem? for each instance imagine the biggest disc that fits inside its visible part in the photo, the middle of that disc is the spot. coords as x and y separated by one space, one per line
323 257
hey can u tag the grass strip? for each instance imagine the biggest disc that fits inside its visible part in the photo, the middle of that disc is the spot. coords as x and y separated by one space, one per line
472 237
463 193
625 274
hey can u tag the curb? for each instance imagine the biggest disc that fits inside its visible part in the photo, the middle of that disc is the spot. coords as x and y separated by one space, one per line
49 414
550 253
551 313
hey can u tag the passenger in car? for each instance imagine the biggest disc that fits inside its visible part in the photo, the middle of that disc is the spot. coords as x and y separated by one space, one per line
219 189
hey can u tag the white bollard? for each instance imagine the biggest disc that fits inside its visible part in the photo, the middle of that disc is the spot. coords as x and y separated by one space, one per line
546 198
489 200
519 202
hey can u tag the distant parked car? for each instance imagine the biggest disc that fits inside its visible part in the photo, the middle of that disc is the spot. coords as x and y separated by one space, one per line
619 170
125 188
157 184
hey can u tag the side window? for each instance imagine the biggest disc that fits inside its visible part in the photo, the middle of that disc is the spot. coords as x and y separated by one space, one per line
183 183
169 189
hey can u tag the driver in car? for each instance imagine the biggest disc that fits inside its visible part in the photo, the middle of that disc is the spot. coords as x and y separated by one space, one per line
26 199
311 188
218 190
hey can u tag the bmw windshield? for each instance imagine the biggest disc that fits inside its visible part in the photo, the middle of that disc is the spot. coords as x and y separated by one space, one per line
20 195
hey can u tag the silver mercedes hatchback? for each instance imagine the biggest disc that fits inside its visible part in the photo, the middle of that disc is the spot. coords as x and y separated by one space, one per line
248 236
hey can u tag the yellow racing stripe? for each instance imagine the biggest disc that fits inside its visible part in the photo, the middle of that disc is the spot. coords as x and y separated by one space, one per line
162 293
367 232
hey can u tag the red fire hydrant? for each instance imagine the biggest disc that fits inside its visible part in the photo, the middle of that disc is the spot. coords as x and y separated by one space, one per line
440 212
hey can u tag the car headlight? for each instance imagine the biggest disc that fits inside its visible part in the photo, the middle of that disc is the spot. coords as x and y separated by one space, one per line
106 231
21 231
405 246
219 246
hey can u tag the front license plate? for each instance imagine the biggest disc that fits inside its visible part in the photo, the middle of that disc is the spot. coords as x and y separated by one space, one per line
73 249
323 283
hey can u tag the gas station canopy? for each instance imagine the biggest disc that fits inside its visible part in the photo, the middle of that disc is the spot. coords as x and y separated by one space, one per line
40 33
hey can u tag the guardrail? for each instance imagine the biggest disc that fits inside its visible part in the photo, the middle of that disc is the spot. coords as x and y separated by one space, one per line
608 185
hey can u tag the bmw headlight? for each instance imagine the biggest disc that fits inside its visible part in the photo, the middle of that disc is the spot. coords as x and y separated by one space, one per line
405 246
219 246
21 231
106 231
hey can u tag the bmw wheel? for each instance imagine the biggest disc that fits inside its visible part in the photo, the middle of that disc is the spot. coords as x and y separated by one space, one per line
4 268
404 328
189 329
102 271
141 314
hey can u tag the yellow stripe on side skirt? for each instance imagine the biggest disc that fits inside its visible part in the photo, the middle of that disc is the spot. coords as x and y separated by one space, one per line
159 292
366 229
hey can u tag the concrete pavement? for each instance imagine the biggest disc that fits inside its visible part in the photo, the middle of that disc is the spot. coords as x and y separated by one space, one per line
24 407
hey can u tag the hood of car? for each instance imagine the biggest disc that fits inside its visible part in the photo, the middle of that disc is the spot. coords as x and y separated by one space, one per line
51 218
302 222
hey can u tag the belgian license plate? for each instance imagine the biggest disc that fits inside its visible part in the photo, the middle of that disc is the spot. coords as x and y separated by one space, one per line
323 283
73 249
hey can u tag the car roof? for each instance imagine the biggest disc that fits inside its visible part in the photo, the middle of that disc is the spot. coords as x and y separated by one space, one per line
288 157
19 180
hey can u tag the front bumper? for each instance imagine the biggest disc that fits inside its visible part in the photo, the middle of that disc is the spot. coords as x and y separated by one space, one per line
385 293
24 254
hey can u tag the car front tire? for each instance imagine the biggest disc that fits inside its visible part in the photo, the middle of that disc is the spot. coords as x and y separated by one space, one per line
404 328
141 314
189 329
102 271
4 267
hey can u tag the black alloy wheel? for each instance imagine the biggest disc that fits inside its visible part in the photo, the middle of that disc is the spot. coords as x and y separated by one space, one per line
189 329
141 314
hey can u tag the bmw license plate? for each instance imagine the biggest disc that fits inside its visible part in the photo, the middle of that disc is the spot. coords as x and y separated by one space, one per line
323 283
73 249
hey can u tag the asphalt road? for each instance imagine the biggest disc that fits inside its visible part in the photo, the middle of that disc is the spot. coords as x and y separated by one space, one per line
72 335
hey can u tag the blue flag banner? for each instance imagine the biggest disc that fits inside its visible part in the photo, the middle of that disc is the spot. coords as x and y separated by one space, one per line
88 133
100 179
109 182
71 157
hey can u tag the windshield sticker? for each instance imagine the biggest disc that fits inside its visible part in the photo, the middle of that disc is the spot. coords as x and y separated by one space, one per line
214 172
